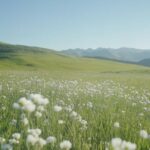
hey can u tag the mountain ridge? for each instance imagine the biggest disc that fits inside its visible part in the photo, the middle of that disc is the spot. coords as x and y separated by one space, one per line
16 53
123 53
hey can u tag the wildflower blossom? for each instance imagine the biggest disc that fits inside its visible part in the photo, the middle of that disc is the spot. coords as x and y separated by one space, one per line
31 139
68 108
25 105
40 108
2 140
144 134
38 99
73 114
34 139
57 108
61 122
13 141
25 121
35 132
38 114
51 139
118 144
16 136
29 107
66 145
89 105
13 122
35 101
41 142
16 106
116 125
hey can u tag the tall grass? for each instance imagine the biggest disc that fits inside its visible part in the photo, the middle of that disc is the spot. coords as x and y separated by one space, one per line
88 114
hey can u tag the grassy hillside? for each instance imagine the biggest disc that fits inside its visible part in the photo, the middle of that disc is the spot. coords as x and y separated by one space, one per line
59 66
33 58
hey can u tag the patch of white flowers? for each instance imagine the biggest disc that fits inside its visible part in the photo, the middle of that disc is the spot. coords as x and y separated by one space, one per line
119 144
89 105
25 105
15 138
66 145
51 139
35 103
57 108
34 138
68 111
24 120
74 115
144 134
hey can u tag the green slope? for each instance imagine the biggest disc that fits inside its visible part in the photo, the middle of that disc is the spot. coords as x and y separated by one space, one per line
14 57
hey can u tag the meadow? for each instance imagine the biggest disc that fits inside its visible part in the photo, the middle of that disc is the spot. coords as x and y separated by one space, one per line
53 102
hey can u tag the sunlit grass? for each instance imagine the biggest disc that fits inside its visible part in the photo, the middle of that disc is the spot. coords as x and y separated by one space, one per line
100 102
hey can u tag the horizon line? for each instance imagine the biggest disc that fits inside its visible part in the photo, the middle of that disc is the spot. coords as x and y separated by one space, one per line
38 46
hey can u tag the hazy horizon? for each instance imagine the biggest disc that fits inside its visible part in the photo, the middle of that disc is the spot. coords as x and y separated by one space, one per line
75 47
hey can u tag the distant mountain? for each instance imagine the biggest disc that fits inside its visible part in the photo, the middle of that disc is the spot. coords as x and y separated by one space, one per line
35 57
145 62
122 54
26 58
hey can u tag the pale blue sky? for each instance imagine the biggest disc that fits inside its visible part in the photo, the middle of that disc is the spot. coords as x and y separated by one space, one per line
63 24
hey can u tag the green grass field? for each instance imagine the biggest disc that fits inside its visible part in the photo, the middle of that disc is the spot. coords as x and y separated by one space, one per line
93 104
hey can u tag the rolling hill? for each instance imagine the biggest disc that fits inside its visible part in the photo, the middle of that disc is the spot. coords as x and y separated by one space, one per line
18 57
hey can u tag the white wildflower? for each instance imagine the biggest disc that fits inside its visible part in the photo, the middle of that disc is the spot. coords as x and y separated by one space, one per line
118 144
35 132
123 111
51 139
128 145
61 122
41 142
83 122
16 136
68 108
57 108
40 108
38 114
22 101
73 114
29 107
13 141
25 121
2 140
31 139
13 122
116 125
66 145
16 106
38 99
144 134
89 104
